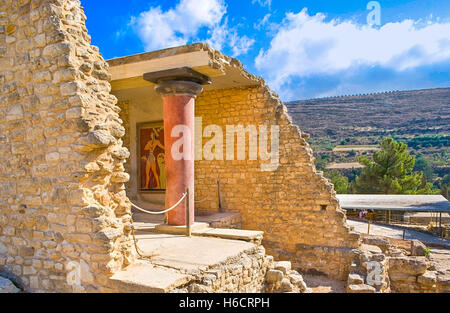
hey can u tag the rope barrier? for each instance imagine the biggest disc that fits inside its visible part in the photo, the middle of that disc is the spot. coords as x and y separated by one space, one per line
138 251
159 212
203 200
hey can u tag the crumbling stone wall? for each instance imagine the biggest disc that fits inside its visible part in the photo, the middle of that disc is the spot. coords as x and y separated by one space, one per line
244 273
62 201
124 115
418 270
295 205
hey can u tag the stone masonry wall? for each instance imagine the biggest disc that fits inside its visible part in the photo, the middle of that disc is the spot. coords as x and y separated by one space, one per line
63 206
243 273
295 205
124 115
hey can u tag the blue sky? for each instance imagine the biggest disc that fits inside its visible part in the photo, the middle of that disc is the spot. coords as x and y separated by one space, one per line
303 49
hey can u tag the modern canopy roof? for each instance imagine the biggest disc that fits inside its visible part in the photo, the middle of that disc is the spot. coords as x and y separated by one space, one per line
419 203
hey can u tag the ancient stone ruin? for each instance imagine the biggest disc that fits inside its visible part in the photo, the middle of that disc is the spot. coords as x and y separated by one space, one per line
62 176
70 162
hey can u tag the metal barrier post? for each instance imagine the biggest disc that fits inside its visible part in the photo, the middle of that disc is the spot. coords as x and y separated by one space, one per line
368 227
188 215
219 195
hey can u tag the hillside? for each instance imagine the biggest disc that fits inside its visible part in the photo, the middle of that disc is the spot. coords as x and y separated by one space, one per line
404 112
421 118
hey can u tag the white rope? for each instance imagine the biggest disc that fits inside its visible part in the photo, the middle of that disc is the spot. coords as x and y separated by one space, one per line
159 212
203 200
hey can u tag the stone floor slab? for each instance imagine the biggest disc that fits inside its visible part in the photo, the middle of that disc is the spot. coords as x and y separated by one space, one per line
189 253
225 233
144 277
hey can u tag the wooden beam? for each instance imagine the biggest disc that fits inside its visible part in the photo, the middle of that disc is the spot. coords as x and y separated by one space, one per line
129 83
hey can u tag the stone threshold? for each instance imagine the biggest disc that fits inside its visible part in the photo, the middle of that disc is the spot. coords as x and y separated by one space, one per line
145 222
236 234
203 230
178 230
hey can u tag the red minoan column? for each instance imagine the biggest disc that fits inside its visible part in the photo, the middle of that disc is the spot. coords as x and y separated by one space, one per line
178 89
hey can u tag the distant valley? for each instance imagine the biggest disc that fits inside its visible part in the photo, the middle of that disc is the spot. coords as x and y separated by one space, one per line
420 118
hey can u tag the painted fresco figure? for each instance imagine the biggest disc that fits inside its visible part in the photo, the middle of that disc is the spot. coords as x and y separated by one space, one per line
151 164
162 170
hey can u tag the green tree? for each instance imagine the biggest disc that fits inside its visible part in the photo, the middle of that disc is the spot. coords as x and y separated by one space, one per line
322 161
340 184
444 185
351 188
339 181
422 165
390 171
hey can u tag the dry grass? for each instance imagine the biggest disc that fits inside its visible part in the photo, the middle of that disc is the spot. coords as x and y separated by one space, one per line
344 165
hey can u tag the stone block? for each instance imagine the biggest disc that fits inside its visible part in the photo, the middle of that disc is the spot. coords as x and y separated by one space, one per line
380 242
443 282
284 266
408 265
355 279
427 279
274 276
26 251
6 286
418 248
96 140
361 288
286 285
370 248
297 280
14 112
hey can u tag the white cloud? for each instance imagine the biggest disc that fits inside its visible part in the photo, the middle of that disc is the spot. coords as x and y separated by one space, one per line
219 36
263 3
158 29
262 22
240 45
224 36
307 45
